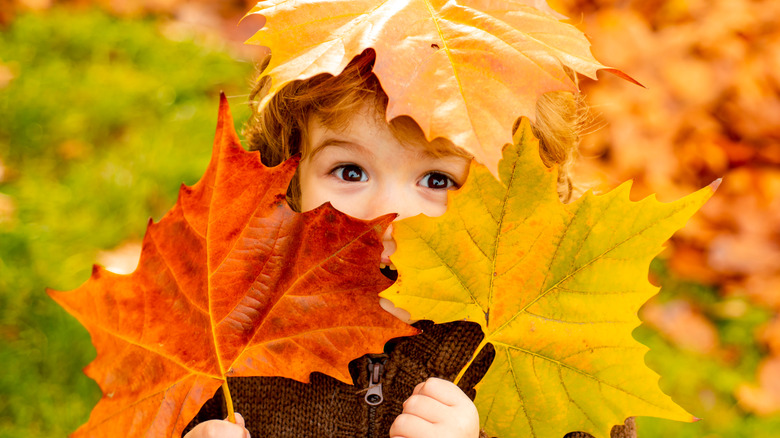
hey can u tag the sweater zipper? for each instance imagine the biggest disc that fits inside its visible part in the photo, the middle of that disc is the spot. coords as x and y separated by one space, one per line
374 396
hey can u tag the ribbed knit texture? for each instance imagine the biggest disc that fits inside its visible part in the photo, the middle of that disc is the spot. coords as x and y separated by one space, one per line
276 407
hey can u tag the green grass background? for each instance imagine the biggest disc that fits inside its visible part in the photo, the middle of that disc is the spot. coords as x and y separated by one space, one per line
102 122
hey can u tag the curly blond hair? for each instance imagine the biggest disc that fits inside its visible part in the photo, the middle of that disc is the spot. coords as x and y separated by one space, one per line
278 130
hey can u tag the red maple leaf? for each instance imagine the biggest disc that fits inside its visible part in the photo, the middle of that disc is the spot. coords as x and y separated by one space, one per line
231 282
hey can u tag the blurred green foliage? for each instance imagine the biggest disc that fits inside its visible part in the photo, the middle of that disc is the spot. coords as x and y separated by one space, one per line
103 120
705 384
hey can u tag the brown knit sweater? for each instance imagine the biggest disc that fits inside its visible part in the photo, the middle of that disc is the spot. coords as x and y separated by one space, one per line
275 407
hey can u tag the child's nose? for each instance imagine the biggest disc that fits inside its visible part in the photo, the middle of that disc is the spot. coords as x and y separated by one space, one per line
388 242
395 201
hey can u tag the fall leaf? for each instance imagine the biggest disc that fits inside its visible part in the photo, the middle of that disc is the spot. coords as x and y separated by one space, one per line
231 282
464 71
556 288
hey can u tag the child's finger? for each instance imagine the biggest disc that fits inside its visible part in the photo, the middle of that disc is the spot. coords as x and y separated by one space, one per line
442 390
430 410
218 429
410 426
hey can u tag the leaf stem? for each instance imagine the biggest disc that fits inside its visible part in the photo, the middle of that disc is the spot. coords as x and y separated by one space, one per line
473 356
228 402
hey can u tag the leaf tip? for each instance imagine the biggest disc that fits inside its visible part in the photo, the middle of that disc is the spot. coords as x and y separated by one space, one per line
251 12
223 102
622 75
51 292
715 184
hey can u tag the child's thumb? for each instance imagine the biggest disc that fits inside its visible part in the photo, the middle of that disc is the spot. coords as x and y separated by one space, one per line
240 422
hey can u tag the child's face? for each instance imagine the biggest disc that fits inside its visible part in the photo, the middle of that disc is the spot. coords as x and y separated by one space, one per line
365 172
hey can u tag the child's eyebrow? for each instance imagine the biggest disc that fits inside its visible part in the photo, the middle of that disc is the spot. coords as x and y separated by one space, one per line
328 142
427 154
423 154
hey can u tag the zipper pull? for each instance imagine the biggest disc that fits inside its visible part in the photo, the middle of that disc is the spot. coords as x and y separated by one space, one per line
374 394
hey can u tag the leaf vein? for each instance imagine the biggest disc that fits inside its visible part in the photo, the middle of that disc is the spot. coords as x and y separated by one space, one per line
260 271
123 408
158 353
175 278
306 273
452 270
571 400
519 393
546 318
576 370
612 248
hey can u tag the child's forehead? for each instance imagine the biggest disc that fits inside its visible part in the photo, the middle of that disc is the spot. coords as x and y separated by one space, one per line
366 120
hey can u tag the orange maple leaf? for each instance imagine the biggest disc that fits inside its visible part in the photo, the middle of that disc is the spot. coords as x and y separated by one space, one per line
464 71
231 282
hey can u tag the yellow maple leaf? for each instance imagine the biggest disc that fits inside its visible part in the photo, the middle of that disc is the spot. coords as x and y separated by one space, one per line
556 288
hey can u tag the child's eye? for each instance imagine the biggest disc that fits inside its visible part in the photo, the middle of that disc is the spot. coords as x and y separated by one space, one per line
350 172
437 180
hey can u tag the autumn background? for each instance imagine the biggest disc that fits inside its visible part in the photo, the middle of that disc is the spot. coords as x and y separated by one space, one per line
106 107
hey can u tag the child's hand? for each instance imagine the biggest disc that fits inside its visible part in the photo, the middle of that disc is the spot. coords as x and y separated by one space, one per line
219 429
437 408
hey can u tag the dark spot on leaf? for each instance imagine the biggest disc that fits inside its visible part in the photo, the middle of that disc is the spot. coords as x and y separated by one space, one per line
232 234
435 46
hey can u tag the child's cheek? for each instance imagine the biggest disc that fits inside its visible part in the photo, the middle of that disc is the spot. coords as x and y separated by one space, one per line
434 202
